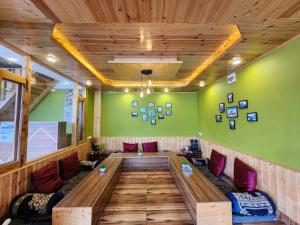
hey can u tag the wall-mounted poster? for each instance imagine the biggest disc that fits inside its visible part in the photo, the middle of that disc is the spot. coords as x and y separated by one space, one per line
169 105
252 117
152 112
218 118
243 104
153 121
161 116
159 109
145 117
151 104
222 107
134 114
232 112
230 97
169 112
232 124
134 103
68 108
143 110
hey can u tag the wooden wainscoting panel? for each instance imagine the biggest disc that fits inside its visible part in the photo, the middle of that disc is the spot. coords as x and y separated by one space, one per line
282 184
173 144
17 181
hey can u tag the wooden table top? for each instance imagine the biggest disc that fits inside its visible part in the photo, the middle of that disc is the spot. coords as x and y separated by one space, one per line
145 154
91 187
199 186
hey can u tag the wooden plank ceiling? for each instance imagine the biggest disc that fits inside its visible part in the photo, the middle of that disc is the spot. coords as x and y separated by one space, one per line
191 30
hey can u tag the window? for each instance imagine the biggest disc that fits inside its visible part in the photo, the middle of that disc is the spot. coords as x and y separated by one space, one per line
10 98
11 61
51 113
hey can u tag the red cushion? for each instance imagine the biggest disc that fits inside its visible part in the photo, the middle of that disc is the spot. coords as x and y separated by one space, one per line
217 163
150 147
69 166
245 178
46 179
127 147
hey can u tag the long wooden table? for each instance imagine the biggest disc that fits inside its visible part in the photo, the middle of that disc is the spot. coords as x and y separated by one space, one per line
85 203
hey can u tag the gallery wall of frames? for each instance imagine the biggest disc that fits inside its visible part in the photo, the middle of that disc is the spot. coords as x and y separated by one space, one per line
231 111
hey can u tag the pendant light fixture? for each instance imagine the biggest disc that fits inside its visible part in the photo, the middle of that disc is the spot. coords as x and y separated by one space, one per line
146 72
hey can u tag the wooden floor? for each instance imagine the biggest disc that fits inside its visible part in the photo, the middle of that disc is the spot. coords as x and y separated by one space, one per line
146 198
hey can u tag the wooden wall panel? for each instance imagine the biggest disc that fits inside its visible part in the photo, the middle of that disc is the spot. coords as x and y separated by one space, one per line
17 181
282 184
173 144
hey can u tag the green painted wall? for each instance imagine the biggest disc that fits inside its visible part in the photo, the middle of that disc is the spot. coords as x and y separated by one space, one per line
51 109
89 122
117 120
271 85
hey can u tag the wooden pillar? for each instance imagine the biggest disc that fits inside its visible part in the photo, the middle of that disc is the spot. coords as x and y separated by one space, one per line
74 114
25 112
97 115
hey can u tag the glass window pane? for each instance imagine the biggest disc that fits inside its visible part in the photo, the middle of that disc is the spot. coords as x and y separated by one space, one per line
51 110
9 115
11 61
81 91
80 120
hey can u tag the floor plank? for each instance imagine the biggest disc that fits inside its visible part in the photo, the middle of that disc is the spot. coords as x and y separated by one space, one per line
146 197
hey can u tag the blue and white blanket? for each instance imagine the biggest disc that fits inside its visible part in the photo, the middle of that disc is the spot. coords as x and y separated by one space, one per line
251 204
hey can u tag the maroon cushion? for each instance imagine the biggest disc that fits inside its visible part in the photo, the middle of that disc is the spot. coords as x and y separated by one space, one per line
245 178
69 166
46 179
217 163
127 147
150 147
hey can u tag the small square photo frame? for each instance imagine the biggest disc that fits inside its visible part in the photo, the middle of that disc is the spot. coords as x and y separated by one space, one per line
243 104
161 116
169 112
152 112
145 117
222 107
232 124
151 104
134 114
153 121
252 117
232 112
159 109
230 97
143 110
218 118
169 105
134 103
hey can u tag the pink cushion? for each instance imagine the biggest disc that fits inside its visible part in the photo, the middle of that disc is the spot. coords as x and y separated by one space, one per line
69 166
46 179
245 178
127 147
217 163
150 146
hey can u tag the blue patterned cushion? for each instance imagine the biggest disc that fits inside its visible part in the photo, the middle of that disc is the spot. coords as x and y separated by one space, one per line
253 219
251 204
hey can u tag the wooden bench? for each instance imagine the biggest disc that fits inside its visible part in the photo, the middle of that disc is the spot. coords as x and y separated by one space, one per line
85 203
207 204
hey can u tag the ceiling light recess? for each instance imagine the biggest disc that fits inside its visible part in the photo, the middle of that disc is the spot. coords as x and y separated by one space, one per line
51 58
236 61
202 83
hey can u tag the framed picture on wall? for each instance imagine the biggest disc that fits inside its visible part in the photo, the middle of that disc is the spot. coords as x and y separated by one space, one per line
169 112
134 103
153 121
218 118
143 110
152 112
243 104
145 117
134 114
151 104
232 124
159 109
222 107
252 117
232 112
230 97
161 116
169 105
